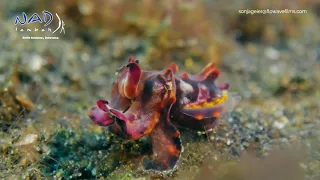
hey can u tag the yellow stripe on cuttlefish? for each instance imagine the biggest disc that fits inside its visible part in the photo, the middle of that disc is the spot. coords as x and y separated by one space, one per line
220 100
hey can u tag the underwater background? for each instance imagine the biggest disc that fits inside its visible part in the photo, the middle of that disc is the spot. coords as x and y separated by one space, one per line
48 86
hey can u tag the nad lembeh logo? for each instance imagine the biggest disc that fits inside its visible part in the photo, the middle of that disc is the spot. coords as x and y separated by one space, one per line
35 18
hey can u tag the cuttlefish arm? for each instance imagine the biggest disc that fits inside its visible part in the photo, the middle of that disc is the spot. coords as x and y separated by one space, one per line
166 146
138 121
100 117
165 139
144 112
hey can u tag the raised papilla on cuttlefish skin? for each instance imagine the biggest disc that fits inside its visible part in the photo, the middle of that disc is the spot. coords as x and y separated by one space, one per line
154 102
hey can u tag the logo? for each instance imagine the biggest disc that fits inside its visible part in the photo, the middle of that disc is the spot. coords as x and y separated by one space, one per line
46 19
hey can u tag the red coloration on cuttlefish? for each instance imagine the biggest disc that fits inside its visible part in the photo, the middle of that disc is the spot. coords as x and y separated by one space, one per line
155 102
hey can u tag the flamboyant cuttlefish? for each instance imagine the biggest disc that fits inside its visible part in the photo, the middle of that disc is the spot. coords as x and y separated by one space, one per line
154 102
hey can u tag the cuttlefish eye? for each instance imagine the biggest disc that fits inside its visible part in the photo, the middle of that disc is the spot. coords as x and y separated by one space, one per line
168 86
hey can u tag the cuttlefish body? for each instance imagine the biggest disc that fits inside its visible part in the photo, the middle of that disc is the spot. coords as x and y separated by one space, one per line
155 102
